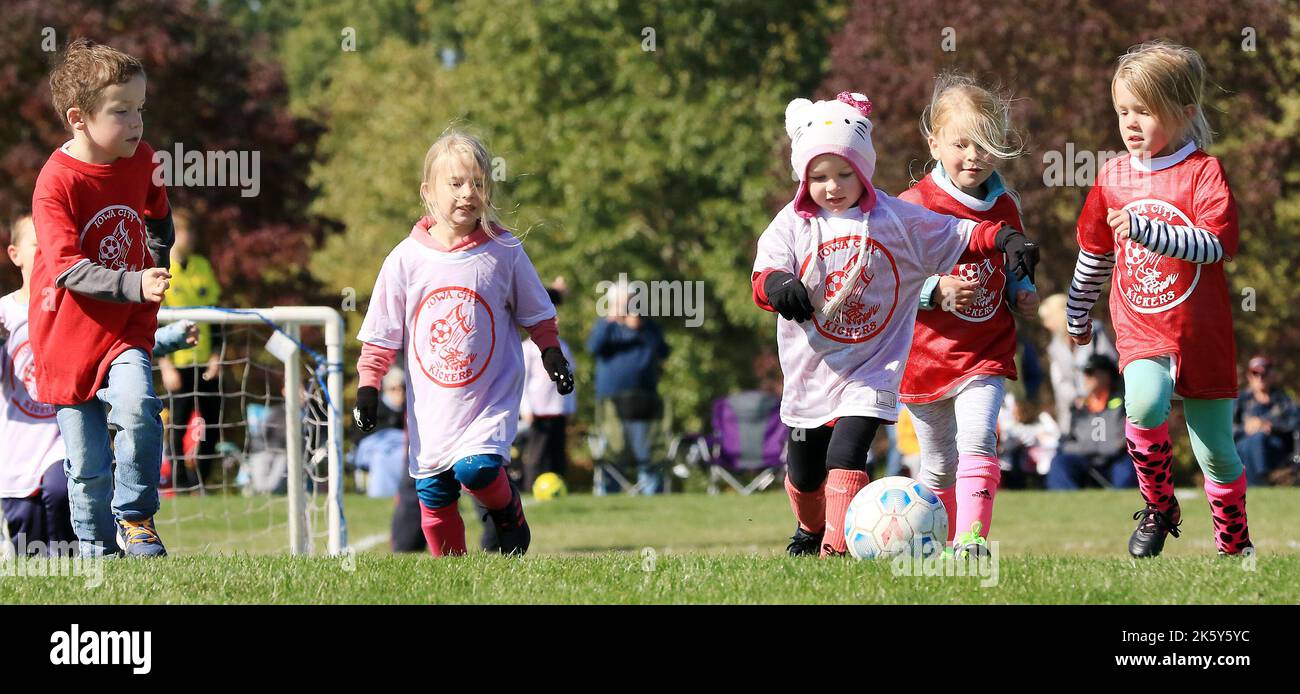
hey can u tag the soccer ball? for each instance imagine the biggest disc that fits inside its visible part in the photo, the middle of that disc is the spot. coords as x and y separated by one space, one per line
894 516
549 486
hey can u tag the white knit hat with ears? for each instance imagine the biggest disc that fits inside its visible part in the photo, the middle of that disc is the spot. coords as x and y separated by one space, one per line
837 127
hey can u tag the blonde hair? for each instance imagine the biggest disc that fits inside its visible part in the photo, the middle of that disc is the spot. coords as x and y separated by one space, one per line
960 105
1052 312
460 145
1167 77
21 227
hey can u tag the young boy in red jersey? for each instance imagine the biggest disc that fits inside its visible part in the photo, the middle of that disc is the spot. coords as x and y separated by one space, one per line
103 230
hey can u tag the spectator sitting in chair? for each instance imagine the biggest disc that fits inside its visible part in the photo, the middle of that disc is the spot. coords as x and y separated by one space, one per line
1264 423
1094 446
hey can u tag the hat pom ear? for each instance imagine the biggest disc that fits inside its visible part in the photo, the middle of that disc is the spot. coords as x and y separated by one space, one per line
856 100
792 111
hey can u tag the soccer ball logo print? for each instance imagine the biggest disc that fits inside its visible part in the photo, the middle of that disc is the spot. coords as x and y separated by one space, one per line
24 370
117 236
992 281
454 335
1150 282
872 288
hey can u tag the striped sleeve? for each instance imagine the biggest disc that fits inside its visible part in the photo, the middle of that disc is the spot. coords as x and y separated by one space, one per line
1091 273
1189 243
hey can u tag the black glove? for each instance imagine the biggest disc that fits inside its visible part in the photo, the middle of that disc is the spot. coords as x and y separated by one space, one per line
557 367
367 405
788 296
1022 254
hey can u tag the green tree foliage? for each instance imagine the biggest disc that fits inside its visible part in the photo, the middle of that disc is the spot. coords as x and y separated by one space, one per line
210 89
635 138
1058 59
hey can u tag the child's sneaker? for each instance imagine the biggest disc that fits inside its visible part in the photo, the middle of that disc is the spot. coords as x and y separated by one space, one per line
1148 540
139 538
971 544
804 543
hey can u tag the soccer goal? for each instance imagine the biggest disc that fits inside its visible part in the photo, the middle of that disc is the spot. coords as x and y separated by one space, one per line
253 451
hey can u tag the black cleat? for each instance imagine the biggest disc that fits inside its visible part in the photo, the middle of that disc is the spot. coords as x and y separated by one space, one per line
804 543
1148 540
513 535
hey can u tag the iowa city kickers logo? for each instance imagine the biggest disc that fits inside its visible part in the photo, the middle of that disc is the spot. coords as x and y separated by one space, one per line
1150 282
455 334
872 287
116 237
992 282
20 382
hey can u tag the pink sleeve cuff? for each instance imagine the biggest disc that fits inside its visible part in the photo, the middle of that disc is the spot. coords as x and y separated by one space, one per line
545 334
373 363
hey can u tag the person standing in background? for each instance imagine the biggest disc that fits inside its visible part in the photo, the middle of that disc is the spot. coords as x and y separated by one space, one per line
545 411
629 350
192 377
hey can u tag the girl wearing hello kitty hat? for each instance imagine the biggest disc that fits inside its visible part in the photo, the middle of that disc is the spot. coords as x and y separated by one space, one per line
965 342
841 264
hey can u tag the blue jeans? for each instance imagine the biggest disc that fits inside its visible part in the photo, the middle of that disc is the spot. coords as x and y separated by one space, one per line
638 440
1261 453
1069 471
98 493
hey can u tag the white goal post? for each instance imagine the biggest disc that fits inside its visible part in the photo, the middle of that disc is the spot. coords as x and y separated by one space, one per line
285 344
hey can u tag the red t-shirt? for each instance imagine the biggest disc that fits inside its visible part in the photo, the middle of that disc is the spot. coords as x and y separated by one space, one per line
89 213
1161 305
950 347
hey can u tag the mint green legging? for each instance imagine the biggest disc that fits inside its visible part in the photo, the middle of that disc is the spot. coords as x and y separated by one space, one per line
1148 390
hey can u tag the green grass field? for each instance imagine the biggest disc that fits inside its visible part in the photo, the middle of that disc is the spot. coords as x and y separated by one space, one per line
1053 548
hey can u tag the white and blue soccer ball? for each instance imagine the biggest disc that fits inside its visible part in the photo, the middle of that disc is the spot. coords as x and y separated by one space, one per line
894 516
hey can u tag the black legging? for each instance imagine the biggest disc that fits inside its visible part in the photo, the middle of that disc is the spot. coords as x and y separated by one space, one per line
813 452
206 395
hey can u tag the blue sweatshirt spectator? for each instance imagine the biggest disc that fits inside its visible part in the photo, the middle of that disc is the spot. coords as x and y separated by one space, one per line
627 358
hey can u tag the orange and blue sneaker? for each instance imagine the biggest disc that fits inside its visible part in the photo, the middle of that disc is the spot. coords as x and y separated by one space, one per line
139 538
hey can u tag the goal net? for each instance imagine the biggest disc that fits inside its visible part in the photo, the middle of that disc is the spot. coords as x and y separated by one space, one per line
253 445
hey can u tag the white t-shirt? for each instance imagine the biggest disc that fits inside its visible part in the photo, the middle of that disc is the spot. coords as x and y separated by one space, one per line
851 363
28 429
456 315
540 397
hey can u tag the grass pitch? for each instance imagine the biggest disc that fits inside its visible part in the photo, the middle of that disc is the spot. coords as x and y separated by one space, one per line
1052 548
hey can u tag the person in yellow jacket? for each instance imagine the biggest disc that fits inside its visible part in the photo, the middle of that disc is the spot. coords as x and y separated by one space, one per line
192 377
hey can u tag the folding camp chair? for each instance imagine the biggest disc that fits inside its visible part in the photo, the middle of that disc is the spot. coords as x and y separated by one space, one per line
613 465
747 440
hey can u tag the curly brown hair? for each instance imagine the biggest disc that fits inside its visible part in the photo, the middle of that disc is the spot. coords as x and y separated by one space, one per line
84 71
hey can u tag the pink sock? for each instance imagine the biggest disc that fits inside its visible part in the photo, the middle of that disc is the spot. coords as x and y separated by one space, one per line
1152 456
841 487
809 507
1228 510
977 485
948 495
496 495
443 530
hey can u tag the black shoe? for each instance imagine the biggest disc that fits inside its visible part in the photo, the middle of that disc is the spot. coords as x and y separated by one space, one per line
513 535
1148 540
804 543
